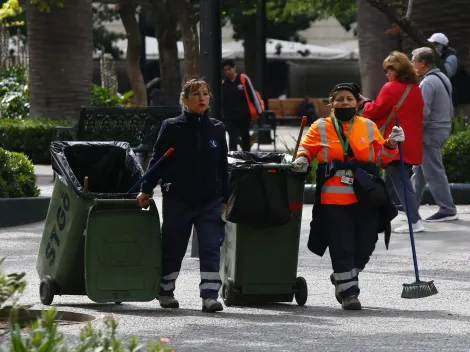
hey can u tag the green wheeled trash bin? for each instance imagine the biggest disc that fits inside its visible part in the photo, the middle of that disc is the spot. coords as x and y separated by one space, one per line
96 241
259 256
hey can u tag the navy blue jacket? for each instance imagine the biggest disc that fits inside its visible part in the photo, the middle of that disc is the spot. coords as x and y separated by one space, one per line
197 171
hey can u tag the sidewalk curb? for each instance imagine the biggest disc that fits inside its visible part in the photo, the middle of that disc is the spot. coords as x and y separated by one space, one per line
21 211
460 192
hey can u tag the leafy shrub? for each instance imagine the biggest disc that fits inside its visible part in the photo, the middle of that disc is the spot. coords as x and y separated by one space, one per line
30 136
11 286
103 97
456 157
14 93
43 333
17 178
459 122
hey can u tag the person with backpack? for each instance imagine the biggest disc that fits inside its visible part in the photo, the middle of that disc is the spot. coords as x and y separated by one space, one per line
455 71
447 54
241 104
437 119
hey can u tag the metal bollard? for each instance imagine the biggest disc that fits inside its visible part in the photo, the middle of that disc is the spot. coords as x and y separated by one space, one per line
194 244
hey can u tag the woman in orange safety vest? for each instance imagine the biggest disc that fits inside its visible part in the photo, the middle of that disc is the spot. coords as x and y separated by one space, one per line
352 205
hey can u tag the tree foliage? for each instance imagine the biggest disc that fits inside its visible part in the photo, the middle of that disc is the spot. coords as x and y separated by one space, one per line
102 37
343 10
281 22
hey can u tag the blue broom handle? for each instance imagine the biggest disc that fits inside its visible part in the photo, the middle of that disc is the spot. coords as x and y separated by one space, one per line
410 226
159 161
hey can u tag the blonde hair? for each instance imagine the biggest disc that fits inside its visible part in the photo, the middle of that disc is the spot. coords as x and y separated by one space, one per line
191 86
399 62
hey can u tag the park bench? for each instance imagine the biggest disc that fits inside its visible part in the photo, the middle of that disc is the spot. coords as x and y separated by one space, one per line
139 126
285 109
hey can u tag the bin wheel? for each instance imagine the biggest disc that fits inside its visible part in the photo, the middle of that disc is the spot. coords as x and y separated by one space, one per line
46 291
301 292
228 292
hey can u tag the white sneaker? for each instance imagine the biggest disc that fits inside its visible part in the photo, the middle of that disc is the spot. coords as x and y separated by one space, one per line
417 227
211 305
168 302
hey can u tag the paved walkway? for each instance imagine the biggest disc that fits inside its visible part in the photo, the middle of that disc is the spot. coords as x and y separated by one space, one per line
387 322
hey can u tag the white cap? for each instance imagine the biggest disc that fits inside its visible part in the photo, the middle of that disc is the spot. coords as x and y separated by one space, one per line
439 38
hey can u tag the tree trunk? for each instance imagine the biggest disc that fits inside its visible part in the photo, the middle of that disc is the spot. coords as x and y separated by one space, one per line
374 47
249 44
134 46
60 45
167 36
184 11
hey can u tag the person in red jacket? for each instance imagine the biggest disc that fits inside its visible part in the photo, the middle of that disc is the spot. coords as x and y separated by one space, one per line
402 91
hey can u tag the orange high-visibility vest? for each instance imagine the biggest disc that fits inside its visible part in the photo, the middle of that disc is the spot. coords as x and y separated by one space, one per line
322 142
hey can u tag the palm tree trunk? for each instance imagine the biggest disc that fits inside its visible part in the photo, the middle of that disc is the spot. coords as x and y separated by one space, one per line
374 47
134 45
60 45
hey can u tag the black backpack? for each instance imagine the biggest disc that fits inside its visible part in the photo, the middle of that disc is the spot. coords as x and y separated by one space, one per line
461 86
460 81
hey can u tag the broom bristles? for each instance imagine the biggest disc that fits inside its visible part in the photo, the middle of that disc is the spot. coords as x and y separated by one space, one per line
419 289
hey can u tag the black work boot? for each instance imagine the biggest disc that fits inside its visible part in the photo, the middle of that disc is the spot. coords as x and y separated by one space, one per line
351 303
338 297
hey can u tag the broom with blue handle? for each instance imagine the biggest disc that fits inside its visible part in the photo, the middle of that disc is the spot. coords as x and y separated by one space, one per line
149 172
417 289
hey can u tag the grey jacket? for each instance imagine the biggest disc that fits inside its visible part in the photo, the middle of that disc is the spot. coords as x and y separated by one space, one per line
438 108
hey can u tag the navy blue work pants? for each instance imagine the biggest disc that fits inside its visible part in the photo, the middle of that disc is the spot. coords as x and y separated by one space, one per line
352 234
178 220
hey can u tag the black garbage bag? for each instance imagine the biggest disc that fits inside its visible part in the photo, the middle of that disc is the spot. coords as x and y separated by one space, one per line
241 158
111 167
258 193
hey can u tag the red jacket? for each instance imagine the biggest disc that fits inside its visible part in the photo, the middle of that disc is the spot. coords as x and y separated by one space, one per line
410 117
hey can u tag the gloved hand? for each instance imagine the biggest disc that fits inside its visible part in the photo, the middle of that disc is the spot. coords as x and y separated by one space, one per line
397 135
143 200
300 164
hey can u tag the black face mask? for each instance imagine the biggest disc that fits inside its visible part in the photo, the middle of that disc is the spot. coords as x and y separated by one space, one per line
345 114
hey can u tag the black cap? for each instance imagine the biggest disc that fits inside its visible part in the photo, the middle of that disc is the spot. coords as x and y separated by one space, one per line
350 87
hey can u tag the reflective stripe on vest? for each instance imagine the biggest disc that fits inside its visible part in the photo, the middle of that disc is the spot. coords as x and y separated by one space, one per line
334 191
370 137
323 138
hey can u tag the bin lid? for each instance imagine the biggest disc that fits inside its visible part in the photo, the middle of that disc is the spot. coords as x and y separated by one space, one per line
122 252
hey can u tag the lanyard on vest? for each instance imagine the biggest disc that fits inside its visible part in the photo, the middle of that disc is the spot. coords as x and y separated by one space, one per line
344 143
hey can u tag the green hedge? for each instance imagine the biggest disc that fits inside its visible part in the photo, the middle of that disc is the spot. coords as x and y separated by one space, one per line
17 178
32 137
456 157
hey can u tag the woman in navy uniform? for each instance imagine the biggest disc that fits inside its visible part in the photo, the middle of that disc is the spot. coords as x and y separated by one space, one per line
194 183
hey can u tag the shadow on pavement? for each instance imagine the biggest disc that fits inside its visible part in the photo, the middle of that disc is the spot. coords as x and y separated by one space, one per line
288 313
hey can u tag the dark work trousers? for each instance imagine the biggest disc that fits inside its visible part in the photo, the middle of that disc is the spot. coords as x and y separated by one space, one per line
394 182
351 232
238 128
178 219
